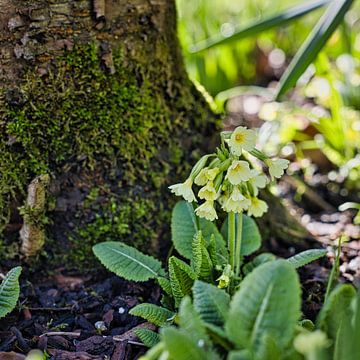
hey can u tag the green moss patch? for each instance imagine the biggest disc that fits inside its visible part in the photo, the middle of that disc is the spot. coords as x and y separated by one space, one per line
120 128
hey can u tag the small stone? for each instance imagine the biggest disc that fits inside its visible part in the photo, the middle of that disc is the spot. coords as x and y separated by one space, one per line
100 325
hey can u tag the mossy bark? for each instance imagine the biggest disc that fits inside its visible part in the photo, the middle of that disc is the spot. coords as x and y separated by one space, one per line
94 94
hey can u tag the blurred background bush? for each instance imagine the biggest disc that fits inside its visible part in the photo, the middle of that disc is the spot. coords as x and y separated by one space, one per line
317 123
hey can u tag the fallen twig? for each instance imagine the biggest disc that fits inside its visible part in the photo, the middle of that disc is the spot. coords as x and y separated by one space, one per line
61 333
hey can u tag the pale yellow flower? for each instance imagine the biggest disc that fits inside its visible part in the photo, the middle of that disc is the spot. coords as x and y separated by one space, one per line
257 207
236 194
238 171
208 192
277 167
307 343
257 181
184 189
211 173
201 179
206 175
237 202
242 139
207 211
224 281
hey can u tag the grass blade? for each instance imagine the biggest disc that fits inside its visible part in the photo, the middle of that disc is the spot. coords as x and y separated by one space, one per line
259 26
313 44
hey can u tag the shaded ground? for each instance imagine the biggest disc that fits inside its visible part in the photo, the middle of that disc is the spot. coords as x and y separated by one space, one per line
73 317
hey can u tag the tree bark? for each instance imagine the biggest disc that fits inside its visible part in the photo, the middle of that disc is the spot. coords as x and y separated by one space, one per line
95 99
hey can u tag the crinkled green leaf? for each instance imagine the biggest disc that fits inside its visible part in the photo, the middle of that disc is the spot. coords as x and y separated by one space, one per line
153 313
181 278
184 226
9 291
165 285
208 230
127 262
240 355
268 302
201 262
181 346
190 321
148 337
211 302
335 318
306 257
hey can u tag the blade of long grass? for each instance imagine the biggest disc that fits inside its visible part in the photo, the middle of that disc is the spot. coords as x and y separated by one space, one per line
261 25
334 274
313 44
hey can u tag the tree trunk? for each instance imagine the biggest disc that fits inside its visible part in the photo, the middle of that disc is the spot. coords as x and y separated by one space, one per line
97 118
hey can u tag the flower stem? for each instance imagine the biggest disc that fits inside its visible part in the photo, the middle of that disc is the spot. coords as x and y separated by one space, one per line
238 243
231 239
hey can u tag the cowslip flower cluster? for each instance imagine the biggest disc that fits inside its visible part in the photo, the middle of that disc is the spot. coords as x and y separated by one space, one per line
228 178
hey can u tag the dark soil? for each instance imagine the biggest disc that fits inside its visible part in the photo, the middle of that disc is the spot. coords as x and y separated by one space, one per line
77 317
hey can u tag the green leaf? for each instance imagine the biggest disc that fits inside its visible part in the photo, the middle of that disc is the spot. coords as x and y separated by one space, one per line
356 324
251 238
183 228
127 262
190 321
268 302
211 302
212 250
9 291
181 278
182 346
157 315
165 285
148 337
259 26
325 27
240 355
201 262
208 230
257 261
268 349
306 257
334 319
217 333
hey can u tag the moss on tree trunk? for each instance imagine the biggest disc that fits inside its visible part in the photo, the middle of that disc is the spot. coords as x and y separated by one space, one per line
94 93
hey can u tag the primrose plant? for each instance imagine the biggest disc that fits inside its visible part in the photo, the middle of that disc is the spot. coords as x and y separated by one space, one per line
211 259
227 178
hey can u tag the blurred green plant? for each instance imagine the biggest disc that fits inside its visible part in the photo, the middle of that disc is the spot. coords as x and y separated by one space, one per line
222 60
225 66
318 37
352 205
260 322
326 120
